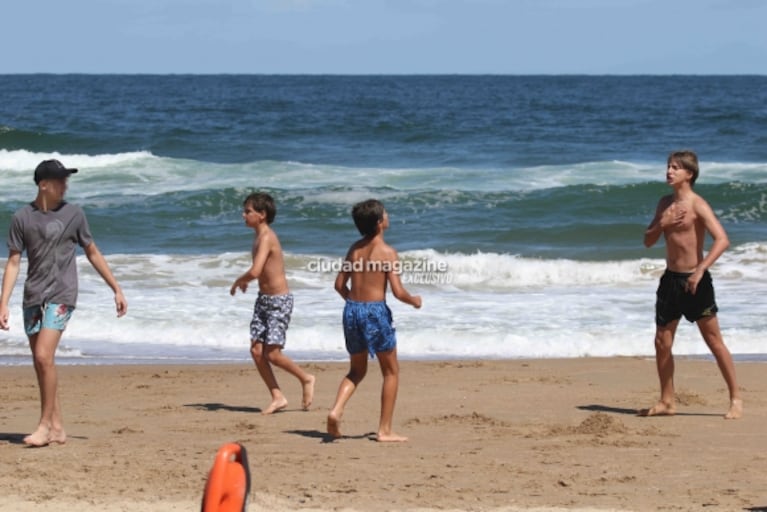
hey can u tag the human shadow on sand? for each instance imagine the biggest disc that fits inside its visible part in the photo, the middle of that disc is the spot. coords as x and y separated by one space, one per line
12 437
16 438
217 406
327 438
607 408
636 412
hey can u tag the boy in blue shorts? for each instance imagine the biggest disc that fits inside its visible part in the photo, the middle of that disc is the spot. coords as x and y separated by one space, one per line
50 229
274 305
683 218
371 265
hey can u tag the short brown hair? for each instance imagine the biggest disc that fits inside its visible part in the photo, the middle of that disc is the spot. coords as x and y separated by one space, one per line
262 202
688 160
367 215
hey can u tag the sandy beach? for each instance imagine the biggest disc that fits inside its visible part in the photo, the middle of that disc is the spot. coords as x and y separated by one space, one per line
506 435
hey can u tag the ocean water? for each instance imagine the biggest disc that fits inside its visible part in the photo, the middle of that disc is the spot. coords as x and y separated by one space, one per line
517 204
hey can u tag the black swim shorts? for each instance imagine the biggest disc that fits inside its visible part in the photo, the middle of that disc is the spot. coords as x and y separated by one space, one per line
674 300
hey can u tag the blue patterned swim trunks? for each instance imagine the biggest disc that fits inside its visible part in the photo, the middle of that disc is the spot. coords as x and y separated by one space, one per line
368 326
46 316
271 316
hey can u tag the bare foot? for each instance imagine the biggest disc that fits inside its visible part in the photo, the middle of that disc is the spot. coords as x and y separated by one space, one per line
333 427
38 438
659 409
736 409
308 397
390 438
276 405
57 436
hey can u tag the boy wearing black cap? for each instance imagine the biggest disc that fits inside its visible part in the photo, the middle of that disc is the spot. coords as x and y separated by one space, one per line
49 229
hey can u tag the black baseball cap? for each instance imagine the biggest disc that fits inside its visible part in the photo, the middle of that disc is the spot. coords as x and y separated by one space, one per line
52 170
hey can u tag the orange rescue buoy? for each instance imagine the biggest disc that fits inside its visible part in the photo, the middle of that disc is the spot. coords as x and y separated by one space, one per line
228 482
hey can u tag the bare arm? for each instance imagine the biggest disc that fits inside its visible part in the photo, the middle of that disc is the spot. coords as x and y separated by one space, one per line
9 281
342 284
721 242
717 232
256 266
99 263
398 290
342 279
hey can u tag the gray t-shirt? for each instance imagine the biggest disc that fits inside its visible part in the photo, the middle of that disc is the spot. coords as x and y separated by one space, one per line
50 239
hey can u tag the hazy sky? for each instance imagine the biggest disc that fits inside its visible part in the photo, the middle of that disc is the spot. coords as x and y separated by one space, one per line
384 36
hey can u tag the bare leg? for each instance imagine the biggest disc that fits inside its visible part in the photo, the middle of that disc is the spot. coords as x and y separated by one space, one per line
664 360
279 401
276 357
358 367
390 372
709 329
50 428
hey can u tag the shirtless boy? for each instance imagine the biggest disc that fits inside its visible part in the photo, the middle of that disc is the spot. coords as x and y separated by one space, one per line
686 288
274 305
371 266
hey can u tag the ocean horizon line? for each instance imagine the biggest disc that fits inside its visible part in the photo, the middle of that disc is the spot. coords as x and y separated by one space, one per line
382 74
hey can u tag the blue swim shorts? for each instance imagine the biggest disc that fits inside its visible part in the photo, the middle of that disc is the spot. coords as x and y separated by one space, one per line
271 316
368 326
46 316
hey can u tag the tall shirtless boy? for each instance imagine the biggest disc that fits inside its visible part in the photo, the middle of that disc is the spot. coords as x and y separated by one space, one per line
686 288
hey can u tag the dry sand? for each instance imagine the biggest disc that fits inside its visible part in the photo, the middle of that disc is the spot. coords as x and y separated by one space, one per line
516 435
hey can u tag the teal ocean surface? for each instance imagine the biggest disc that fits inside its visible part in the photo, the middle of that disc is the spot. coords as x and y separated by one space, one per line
517 204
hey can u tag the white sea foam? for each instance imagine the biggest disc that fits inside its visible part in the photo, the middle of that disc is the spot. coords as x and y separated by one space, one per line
142 173
479 304
496 306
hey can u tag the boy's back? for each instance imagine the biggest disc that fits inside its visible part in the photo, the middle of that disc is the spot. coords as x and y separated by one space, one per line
371 259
